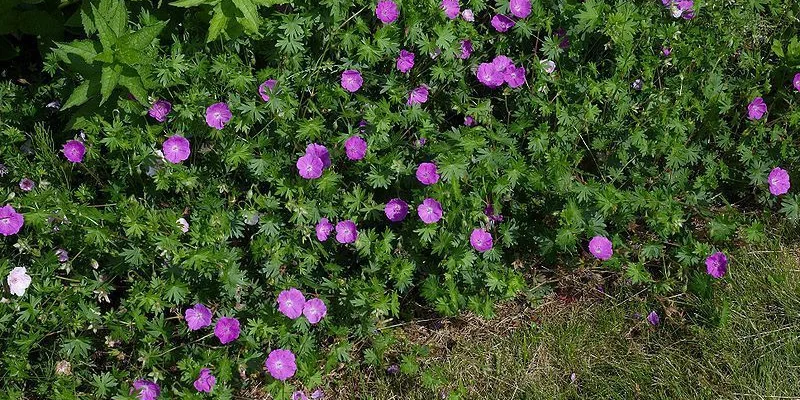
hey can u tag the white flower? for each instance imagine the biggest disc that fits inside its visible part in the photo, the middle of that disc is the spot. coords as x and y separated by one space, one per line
18 280
549 66
468 15
183 224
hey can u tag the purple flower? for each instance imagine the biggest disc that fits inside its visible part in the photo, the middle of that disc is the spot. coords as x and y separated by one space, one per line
469 121
396 210
74 151
468 15
637 84
418 96
317 394
10 221
451 8
562 33
205 381
653 318
666 51
481 240
310 166
405 61
281 364
501 23
466 49
346 231
501 62
427 173
315 310
352 80
420 142
27 184
3 170
489 212
430 211
778 181
489 75
62 255
227 329
600 247
520 8
321 152
176 149
266 88
686 9
717 264
756 109
515 77
796 81
217 115
145 390
355 147
393 369
387 11
291 302
159 110
299 395
197 317
323 229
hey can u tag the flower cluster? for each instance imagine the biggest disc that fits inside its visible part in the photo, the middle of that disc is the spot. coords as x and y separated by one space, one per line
501 70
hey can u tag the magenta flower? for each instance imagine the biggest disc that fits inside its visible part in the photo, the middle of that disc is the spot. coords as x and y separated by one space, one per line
796 81
387 11
321 152
10 221
481 240
281 364
227 329
355 147
310 166
653 318
666 51
451 8
205 381
520 8
489 212
427 173
217 115
430 211
197 317
352 80
515 77
315 310
469 121
291 302
468 15
74 151
686 9
27 184
62 255
418 96
317 394
488 75
299 395
145 390
601 247
778 181
562 33
466 49
405 61
346 231
159 110
756 109
501 23
176 149
717 264
323 229
266 88
501 62
396 210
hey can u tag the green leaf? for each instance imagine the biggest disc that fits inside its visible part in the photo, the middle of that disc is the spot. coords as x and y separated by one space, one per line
218 23
142 38
777 48
135 85
79 96
81 48
107 35
190 3
251 19
108 80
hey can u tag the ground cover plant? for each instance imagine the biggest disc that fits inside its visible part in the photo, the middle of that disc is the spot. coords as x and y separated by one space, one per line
206 195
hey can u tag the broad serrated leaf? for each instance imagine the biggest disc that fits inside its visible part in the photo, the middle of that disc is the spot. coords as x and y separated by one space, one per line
81 48
79 96
251 20
135 85
109 77
141 39
107 35
218 23
190 3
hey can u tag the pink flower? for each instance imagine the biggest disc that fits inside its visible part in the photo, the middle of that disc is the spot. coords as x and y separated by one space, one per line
352 80
183 224
501 23
281 364
355 147
666 51
266 88
27 184
387 11
488 75
217 115
430 211
62 255
520 8
396 210
405 61
227 329
469 121
321 152
418 96
145 390
74 151
501 62
468 15
451 8
176 149
205 381
346 232
756 109
310 166
299 395
466 49
18 281
10 221
159 110
481 240
796 81
717 264
197 317
315 310
601 247
323 229
515 77
427 174
291 302
778 181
